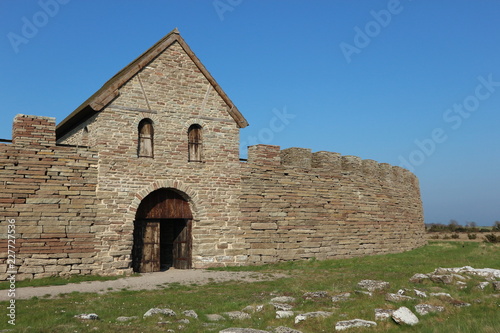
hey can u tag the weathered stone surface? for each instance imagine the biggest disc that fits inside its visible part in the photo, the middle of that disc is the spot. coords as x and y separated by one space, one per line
315 314
383 314
483 285
87 316
403 315
190 313
397 298
424 309
315 294
215 317
446 279
237 315
346 324
253 308
484 272
165 311
284 314
341 297
373 285
419 278
124 319
282 306
284 329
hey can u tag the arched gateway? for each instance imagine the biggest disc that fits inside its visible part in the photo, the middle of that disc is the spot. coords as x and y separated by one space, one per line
162 232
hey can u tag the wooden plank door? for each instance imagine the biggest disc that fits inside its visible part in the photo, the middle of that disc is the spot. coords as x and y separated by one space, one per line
151 247
182 245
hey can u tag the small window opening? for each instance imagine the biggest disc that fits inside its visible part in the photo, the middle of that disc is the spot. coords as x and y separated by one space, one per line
146 135
85 136
194 143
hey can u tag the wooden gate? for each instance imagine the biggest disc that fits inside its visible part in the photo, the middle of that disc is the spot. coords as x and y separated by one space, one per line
162 233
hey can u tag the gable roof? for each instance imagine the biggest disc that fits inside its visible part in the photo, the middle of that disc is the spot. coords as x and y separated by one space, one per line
109 90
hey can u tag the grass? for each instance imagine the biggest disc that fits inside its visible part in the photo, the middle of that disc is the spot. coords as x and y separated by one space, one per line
334 276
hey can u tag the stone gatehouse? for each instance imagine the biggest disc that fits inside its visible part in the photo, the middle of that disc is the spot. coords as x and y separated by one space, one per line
146 175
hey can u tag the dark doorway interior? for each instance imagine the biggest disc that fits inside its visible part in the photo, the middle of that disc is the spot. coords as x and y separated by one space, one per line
162 233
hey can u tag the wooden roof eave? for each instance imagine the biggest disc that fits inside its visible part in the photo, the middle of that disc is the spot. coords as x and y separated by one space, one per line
110 90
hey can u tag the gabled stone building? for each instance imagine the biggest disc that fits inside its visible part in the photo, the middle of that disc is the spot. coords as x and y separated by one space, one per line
146 175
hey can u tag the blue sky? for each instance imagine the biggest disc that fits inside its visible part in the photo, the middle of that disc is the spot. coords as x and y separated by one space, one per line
412 83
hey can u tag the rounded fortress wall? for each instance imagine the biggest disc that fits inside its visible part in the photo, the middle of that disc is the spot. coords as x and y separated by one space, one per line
297 205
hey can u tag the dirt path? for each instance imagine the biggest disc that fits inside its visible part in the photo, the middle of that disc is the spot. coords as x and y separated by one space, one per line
146 281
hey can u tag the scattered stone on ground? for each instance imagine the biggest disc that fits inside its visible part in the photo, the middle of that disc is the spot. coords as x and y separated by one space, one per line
215 317
124 319
190 313
423 309
237 315
345 324
284 329
315 314
284 314
403 315
373 285
483 285
87 316
282 306
315 294
419 278
383 314
242 330
341 297
363 292
390 297
253 308
153 311
446 279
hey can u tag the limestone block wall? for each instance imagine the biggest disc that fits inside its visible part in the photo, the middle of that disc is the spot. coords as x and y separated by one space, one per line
173 93
49 193
297 205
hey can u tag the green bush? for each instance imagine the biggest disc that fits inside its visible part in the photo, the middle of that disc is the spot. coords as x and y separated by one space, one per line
491 238
455 236
472 236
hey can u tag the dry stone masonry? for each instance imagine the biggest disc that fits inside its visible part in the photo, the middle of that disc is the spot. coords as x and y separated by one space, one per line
79 191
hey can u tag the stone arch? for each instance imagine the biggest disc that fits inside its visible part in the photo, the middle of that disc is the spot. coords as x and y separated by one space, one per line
184 190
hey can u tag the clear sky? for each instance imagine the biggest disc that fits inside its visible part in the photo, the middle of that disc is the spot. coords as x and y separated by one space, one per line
411 83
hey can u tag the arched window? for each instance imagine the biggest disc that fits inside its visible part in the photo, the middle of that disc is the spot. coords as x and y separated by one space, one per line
146 134
85 136
194 143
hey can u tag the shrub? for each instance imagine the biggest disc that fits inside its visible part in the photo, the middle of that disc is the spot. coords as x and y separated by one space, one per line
484 230
455 236
434 237
472 236
491 238
496 226
446 237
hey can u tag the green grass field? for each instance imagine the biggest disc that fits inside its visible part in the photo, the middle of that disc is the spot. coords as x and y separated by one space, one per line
333 276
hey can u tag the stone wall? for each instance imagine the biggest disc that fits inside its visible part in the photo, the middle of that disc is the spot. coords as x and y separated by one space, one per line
297 205
49 191
173 93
